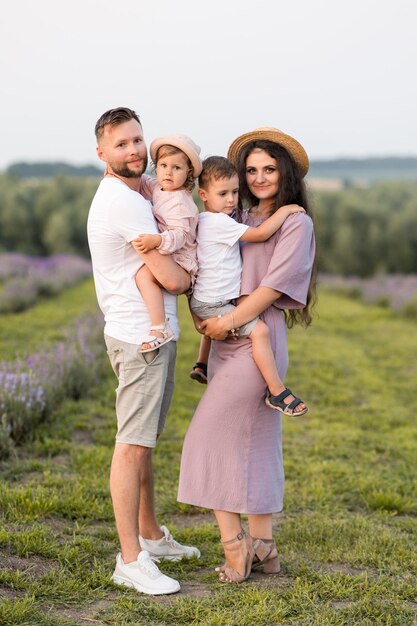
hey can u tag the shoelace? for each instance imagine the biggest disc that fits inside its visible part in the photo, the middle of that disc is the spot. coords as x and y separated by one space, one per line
150 567
155 558
174 544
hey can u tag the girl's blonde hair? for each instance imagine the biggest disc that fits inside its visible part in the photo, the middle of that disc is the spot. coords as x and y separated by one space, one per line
168 150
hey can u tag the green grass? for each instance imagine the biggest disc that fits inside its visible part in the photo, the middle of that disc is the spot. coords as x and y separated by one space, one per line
23 333
347 537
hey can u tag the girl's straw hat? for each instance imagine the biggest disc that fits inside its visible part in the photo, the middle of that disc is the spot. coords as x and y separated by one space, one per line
290 144
185 144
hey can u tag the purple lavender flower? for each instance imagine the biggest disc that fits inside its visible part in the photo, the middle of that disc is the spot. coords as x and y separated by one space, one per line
31 387
27 278
393 290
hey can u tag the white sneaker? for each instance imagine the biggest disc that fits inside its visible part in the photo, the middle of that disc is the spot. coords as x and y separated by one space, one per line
168 548
144 576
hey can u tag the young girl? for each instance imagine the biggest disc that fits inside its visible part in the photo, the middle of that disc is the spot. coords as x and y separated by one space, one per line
177 165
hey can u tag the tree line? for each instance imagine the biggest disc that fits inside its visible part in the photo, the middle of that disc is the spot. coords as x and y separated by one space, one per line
46 216
364 231
360 231
50 170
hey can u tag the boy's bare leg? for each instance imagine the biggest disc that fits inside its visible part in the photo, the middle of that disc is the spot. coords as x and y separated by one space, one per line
199 370
169 274
204 349
264 359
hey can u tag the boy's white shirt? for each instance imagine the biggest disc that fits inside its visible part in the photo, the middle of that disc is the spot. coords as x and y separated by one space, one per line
117 215
219 261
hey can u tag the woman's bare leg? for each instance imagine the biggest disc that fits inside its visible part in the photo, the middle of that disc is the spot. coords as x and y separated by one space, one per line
230 527
260 526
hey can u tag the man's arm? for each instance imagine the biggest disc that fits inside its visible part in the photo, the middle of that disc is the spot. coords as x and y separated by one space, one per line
270 226
133 215
169 274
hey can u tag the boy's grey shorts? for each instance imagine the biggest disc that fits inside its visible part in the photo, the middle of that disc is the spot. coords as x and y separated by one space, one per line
206 310
146 385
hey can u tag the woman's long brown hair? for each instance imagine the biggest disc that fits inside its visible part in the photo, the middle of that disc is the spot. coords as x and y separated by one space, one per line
292 190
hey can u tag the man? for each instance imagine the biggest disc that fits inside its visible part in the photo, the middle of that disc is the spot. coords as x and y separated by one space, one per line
118 214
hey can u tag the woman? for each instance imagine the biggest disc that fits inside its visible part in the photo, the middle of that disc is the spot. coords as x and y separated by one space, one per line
232 454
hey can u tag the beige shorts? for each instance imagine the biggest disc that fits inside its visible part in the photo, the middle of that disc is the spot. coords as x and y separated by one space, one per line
146 385
206 310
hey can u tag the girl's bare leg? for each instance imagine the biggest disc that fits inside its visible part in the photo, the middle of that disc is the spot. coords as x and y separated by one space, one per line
152 295
154 300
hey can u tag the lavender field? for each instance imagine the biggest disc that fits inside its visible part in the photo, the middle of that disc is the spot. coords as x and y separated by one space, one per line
396 291
51 352
24 279
32 387
348 532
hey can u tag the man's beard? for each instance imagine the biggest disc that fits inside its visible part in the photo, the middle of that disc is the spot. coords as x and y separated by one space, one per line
125 172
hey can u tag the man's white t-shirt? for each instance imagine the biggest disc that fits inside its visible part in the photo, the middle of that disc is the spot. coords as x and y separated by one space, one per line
117 215
219 262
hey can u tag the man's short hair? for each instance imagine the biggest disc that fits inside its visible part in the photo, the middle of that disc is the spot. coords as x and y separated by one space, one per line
114 117
215 168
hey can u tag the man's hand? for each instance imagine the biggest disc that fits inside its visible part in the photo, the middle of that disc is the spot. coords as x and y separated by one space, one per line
145 243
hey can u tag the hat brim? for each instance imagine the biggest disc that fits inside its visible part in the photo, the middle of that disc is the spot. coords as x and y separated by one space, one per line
291 145
182 144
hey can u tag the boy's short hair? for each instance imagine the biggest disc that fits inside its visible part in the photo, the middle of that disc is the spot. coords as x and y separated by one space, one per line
215 168
114 117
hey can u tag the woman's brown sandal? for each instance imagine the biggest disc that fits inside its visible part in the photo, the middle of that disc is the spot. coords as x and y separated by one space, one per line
266 556
230 575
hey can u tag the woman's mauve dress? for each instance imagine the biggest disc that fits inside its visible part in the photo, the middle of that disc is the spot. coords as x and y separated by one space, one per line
232 453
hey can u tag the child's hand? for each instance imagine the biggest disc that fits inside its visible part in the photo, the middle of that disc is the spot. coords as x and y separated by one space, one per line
292 208
145 243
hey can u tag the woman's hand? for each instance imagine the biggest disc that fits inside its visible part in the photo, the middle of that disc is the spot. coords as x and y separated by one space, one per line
216 327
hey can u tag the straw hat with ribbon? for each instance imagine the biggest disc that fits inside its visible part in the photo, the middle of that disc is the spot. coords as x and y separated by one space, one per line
182 142
291 145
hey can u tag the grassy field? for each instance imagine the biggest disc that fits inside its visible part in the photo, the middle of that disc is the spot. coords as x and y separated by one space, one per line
347 537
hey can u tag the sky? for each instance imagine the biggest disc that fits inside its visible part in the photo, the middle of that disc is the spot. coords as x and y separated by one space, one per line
338 76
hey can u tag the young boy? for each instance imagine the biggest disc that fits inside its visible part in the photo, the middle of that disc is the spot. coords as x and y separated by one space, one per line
218 278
